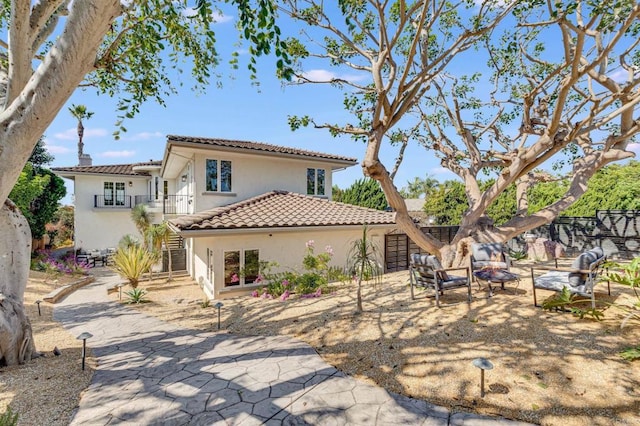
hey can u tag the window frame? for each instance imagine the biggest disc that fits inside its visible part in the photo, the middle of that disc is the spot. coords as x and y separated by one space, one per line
242 263
316 180
114 193
222 175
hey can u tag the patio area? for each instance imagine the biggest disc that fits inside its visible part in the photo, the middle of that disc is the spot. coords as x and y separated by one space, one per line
549 367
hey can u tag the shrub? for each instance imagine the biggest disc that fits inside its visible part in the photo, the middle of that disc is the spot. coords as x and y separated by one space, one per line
137 295
131 262
8 418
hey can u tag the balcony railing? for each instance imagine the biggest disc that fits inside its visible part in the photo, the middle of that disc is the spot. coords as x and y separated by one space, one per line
176 204
171 204
117 202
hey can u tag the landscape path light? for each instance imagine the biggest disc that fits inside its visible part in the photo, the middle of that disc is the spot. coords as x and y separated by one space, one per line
84 336
482 364
218 305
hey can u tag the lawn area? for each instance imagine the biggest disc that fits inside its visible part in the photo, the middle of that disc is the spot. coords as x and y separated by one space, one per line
549 367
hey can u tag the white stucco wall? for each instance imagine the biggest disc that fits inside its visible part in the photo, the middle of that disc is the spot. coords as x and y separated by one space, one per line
100 228
251 175
285 247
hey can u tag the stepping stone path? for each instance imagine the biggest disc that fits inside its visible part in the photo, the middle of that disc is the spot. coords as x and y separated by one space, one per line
151 372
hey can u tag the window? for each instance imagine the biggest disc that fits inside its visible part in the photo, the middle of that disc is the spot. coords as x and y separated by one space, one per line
315 181
241 267
114 194
210 266
218 175
165 190
157 187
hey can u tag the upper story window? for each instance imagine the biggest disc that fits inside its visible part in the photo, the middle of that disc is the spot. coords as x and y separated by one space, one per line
114 194
315 181
218 175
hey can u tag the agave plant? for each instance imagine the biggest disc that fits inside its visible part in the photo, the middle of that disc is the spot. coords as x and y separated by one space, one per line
131 262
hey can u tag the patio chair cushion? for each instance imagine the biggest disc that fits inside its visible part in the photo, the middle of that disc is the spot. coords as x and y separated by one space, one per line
583 262
431 261
488 255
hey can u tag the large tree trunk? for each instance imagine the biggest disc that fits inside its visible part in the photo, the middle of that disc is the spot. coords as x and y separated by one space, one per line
16 339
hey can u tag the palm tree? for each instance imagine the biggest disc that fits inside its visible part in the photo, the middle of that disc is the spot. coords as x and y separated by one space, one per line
363 262
80 112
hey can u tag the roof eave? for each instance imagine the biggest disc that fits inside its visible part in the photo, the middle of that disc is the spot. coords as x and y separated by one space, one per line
196 233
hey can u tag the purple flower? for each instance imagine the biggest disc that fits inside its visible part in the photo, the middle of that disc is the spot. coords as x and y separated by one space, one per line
254 293
285 295
329 250
258 279
318 293
234 278
310 244
285 283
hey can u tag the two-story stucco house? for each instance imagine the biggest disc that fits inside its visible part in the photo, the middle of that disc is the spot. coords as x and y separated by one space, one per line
234 203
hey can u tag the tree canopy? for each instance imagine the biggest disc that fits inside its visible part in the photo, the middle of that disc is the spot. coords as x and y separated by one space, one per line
555 86
363 192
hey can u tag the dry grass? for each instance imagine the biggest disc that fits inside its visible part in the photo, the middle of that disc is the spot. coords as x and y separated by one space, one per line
550 367
46 390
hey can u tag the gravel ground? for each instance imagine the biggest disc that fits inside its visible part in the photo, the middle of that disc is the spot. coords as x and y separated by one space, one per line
549 367
46 390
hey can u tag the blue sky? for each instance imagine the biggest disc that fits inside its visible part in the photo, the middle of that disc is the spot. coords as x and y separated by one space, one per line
237 110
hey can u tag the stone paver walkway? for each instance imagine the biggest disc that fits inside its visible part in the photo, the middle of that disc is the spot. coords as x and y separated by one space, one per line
153 373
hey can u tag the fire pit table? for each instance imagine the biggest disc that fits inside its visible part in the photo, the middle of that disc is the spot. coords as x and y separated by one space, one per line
495 276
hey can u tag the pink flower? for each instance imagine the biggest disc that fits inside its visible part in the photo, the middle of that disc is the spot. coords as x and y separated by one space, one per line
254 293
265 295
329 250
234 278
258 279
285 283
318 293
310 243
285 295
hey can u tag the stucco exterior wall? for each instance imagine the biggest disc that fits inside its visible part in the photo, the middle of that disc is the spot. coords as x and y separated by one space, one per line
251 175
100 228
285 247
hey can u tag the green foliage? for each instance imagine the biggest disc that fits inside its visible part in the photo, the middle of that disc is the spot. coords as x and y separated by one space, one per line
205 303
38 191
137 295
63 223
131 262
142 220
447 203
631 354
362 262
627 275
565 300
9 418
419 188
127 241
366 193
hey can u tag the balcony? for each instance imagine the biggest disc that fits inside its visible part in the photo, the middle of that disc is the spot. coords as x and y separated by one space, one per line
170 204
117 202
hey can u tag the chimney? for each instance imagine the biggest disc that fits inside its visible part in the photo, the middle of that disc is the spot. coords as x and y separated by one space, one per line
85 160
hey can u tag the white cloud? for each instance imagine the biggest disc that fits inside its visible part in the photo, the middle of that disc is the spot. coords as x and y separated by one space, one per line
440 171
320 75
72 134
57 149
218 17
143 136
117 154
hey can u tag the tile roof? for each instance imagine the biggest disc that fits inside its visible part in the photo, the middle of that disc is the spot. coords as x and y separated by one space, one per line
258 146
110 169
282 209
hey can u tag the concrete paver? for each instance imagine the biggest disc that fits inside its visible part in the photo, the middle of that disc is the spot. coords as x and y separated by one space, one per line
151 372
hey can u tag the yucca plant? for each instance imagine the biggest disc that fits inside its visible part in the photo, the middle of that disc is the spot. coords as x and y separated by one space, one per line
132 262
363 262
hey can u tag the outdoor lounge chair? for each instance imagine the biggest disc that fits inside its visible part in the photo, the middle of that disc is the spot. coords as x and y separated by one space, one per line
489 255
427 272
579 279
